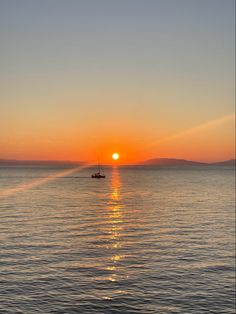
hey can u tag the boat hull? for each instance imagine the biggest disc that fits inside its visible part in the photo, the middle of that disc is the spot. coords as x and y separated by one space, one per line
95 176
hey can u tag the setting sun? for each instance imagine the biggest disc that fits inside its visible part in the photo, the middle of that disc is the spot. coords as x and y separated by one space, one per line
115 156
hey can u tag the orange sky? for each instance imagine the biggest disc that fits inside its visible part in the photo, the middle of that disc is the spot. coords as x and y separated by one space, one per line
209 141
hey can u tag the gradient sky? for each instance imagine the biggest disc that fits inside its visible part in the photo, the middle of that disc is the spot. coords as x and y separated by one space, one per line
150 78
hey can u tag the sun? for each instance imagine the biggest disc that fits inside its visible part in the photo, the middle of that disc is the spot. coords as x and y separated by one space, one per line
115 156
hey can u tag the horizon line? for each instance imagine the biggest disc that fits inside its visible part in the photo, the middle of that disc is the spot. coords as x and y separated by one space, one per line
111 164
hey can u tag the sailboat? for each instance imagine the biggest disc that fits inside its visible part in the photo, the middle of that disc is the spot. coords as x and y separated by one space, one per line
98 175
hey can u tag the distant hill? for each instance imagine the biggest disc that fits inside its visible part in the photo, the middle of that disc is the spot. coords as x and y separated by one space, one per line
183 162
230 162
12 162
170 162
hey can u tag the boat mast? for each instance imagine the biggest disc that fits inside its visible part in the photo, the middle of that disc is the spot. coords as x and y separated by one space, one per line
99 168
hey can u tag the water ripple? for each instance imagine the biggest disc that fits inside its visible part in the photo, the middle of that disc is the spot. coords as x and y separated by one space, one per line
141 241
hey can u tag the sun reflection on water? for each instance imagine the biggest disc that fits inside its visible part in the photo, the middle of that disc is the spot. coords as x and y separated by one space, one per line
115 220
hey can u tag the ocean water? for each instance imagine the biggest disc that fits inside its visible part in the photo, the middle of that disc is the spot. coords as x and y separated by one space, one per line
140 241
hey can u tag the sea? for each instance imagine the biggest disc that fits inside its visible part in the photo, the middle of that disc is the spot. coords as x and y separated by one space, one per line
143 240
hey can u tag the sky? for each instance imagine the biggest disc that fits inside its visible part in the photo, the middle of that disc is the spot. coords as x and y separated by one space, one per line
144 78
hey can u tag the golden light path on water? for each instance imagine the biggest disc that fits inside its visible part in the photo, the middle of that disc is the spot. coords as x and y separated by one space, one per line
40 181
115 223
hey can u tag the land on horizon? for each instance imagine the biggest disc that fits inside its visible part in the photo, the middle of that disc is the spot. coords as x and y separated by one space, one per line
149 162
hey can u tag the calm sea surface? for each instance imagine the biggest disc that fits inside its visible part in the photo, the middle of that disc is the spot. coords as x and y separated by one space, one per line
140 241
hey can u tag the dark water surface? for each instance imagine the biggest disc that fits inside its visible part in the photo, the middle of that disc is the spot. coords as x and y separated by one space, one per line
140 241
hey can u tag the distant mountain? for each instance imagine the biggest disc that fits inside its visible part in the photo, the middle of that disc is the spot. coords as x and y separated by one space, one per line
230 162
170 162
164 162
12 162
183 162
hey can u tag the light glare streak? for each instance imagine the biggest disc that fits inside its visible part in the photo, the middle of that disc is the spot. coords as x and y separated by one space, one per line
37 182
195 129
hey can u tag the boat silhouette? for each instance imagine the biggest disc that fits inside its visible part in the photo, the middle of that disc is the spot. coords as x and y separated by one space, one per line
98 174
